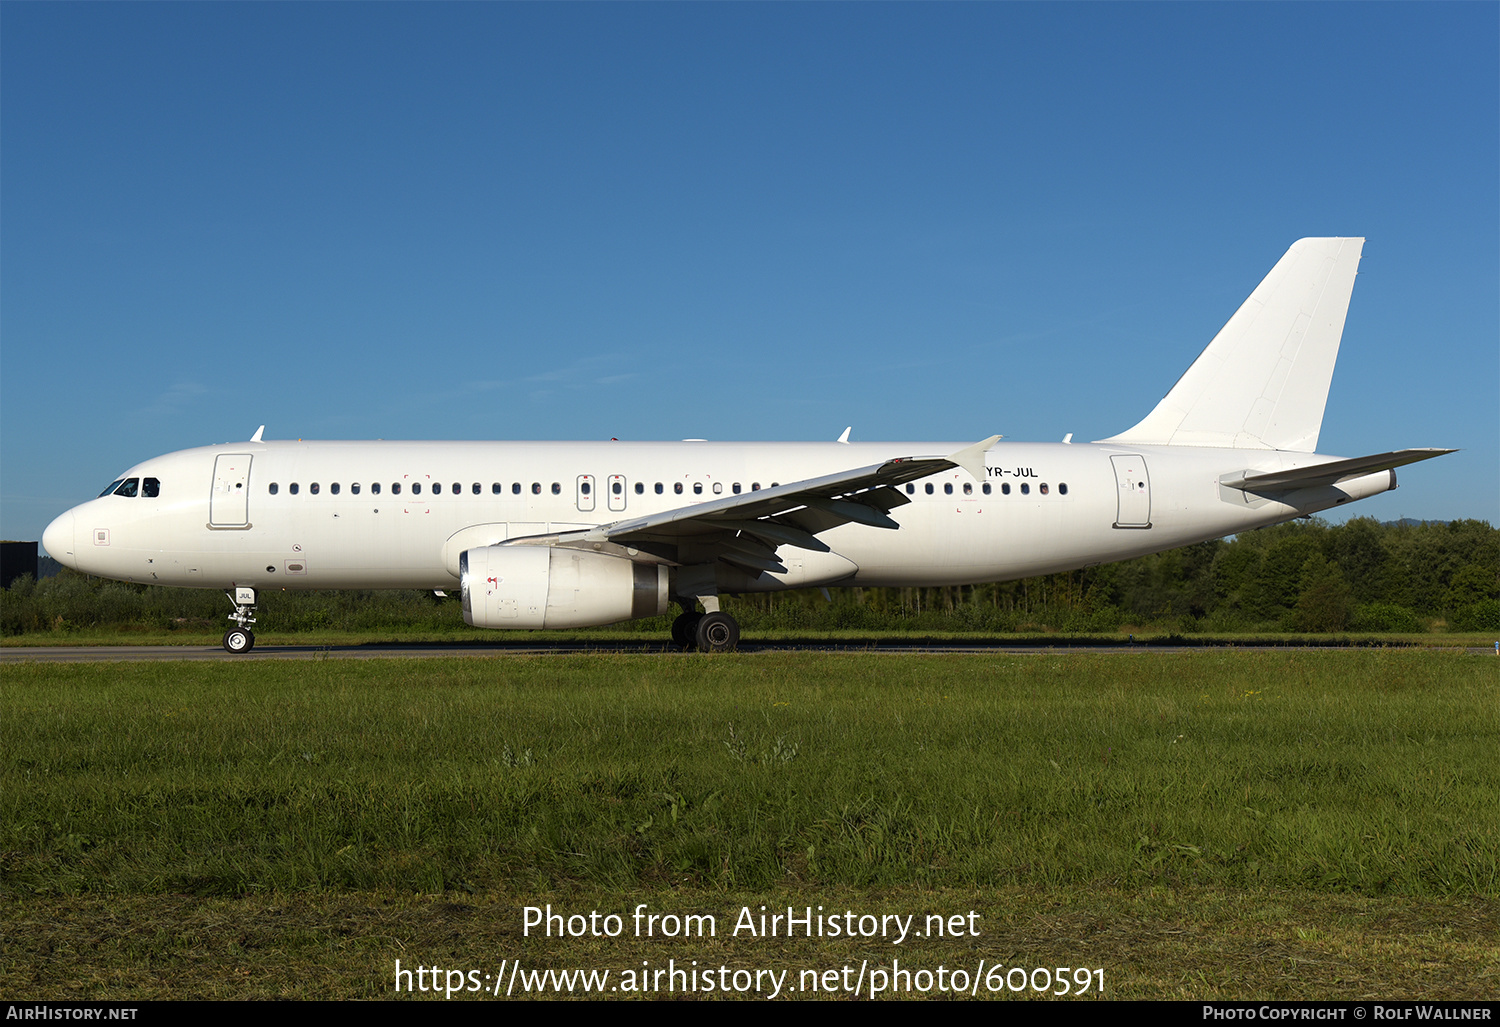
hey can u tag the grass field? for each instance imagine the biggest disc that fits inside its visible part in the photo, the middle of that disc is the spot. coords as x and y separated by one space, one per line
1263 824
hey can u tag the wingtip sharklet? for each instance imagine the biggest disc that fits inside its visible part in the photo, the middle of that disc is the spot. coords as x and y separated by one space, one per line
971 458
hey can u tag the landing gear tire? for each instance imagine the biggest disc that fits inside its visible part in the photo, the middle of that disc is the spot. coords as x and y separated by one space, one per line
685 630
239 640
718 633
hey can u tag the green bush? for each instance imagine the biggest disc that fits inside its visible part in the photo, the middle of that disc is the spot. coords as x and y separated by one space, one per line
1386 617
1480 616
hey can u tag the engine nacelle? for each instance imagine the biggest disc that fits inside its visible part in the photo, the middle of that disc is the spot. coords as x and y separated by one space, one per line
543 587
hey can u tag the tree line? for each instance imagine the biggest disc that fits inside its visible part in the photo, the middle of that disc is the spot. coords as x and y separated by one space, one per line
1303 576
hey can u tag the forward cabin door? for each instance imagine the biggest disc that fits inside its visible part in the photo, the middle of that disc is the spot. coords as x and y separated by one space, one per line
1134 487
229 504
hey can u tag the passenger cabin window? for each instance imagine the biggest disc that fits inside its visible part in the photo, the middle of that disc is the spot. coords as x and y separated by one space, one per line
395 488
697 488
274 488
515 488
968 489
1005 488
374 488
496 488
640 488
948 488
718 488
293 488
911 490
658 488
928 486
334 488
1062 488
676 487
1025 489
313 488
617 488
985 488
557 488
354 488
1043 487
536 488
416 488
736 488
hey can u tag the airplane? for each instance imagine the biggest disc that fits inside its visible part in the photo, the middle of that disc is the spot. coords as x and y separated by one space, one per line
580 534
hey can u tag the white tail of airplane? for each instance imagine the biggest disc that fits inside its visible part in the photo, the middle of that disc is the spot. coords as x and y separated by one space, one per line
1262 383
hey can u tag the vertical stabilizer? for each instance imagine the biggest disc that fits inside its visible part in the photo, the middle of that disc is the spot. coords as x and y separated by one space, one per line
1263 381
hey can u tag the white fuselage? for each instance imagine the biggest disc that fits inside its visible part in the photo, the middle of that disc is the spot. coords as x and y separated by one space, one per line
398 514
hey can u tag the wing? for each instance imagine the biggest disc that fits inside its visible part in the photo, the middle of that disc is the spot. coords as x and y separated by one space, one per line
747 529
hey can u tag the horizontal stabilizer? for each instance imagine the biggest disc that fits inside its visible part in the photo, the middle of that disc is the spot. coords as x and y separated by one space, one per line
1330 473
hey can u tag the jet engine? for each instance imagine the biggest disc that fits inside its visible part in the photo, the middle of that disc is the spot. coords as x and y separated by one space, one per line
546 587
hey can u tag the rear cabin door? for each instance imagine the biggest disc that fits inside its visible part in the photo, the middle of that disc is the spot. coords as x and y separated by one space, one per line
1134 487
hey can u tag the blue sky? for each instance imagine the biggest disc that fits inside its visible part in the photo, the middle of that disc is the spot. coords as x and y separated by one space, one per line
726 221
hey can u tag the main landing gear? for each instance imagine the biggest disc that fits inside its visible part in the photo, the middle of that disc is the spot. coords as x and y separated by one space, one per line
240 639
718 633
712 632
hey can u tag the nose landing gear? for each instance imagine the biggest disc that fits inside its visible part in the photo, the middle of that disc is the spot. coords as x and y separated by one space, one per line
240 639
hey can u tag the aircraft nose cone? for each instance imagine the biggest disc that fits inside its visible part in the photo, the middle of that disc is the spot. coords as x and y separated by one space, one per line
57 540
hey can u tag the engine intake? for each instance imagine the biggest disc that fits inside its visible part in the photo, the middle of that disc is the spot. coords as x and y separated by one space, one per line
544 587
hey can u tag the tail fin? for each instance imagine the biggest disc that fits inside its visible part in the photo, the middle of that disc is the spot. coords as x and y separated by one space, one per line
1263 381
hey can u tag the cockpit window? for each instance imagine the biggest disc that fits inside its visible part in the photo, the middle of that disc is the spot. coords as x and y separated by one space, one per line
129 487
151 488
111 486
